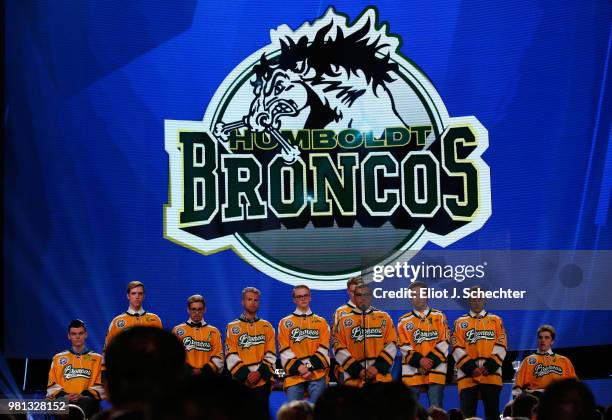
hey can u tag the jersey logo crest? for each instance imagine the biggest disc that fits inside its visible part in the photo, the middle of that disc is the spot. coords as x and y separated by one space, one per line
421 336
299 334
543 370
192 344
71 372
321 134
246 340
473 335
180 332
121 323
357 333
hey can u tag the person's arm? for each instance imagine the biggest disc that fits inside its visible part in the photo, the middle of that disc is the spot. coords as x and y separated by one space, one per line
110 334
498 353
571 373
320 360
95 388
405 342
54 389
385 358
520 380
157 322
462 359
216 360
268 364
439 353
289 361
234 363
341 350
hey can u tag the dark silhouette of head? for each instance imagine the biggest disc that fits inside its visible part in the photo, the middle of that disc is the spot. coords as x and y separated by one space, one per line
524 405
144 365
568 399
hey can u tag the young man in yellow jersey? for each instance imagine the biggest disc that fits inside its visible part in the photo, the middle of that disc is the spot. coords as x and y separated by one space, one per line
342 310
423 339
479 348
202 341
250 349
365 342
303 339
135 316
75 373
540 369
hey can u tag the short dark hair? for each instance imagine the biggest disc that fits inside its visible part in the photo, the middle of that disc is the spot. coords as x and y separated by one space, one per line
76 323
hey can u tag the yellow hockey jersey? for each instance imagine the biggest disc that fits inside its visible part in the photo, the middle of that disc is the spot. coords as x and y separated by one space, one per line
380 345
202 343
75 373
345 309
303 339
479 340
423 336
249 347
538 370
128 320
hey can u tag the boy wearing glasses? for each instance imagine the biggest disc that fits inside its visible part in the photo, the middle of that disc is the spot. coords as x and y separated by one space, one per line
303 338
202 341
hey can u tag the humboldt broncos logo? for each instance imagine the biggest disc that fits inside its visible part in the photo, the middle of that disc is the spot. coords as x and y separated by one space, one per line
314 141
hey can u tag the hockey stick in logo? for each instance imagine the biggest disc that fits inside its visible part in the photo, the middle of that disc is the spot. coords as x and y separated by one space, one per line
222 130
289 153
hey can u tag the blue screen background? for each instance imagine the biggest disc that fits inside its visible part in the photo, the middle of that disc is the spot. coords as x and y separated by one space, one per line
89 85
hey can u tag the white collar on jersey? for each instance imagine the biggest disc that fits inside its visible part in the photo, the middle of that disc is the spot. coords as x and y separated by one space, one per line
480 314
351 304
302 313
133 312
549 352
192 322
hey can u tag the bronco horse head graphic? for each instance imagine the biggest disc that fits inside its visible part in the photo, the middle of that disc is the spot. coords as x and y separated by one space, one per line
333 82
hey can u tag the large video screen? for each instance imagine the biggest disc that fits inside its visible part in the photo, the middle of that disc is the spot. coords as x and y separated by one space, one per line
203 147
